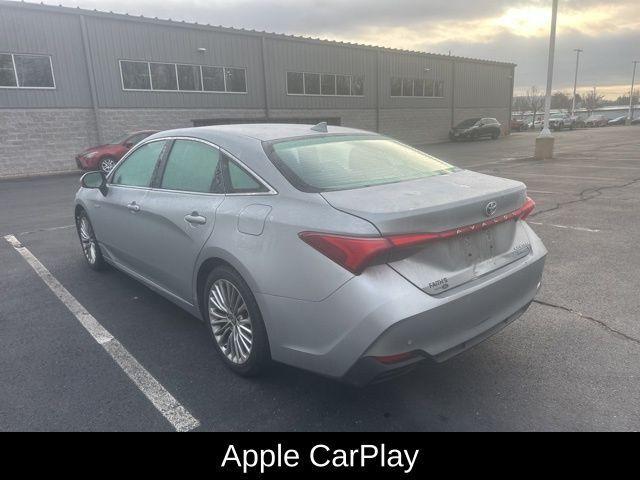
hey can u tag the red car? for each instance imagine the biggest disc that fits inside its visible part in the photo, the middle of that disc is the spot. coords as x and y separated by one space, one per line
105 157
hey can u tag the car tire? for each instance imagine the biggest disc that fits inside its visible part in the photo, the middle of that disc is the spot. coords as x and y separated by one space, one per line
88 242
106 164
495 135
234 324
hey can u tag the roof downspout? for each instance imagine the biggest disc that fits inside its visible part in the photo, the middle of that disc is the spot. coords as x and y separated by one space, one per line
92 79
267 110
453 91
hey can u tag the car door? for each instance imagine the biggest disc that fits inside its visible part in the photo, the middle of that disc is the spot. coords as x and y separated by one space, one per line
180 213
118 215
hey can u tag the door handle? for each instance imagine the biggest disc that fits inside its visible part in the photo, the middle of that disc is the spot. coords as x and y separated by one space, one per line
195 218
133 207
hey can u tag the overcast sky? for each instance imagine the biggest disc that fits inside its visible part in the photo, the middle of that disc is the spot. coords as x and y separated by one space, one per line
509 30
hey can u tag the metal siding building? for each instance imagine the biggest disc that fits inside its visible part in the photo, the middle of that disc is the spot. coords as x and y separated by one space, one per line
41 129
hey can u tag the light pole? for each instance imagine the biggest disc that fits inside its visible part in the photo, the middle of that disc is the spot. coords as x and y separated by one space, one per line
633 81
575 81
544 142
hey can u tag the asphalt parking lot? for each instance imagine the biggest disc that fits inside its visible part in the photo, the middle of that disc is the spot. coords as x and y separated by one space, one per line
572 362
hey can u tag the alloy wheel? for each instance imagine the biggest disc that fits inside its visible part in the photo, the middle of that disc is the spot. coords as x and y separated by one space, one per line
88 240
230 321
107 165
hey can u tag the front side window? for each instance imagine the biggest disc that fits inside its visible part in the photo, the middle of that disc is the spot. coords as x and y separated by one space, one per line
26 71
351 161
163 76
138 168
191 167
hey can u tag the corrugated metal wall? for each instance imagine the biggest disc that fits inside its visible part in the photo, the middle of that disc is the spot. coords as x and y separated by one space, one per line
481 85
112 38
55 35
282 56
115 40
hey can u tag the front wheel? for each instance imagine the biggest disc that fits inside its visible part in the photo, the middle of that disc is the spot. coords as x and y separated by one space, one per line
235 323
107 164
90 247
495 135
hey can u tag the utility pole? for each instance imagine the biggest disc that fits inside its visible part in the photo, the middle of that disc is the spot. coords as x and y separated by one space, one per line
575 81
633 81
544 142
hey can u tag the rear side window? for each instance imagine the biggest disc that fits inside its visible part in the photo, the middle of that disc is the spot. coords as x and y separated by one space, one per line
350 161
240 181
138 168
192 167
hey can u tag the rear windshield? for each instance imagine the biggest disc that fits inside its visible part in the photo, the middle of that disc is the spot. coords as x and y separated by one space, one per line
350 161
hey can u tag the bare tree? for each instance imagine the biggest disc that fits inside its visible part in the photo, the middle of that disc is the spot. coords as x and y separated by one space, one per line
592 100
560 101
534 100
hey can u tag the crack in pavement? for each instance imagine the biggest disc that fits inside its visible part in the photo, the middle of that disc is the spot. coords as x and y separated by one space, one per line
595 193
600 323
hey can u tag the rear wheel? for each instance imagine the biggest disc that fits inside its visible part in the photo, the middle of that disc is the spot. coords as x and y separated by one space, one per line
90 247
107 164
235 323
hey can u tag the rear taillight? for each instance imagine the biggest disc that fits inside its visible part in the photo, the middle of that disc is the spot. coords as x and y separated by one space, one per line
353 253
357 253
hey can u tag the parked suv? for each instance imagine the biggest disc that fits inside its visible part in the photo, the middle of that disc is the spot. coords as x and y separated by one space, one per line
597 121
560 121
105 157
474 128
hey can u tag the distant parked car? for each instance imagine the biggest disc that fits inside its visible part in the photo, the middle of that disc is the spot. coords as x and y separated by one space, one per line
474 128
537 124
597 121
579 121
635 121
519 125
560 121
619 120
105 157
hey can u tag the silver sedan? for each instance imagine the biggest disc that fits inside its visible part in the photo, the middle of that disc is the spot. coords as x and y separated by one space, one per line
335 250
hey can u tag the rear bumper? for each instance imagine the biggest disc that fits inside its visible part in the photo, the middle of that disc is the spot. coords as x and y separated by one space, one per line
380 313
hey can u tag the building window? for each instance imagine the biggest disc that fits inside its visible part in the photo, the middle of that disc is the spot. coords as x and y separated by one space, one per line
295 83
163 76
416 87
235 80
213 79
312 84
135 75
189 78
327 84
26 71
171 77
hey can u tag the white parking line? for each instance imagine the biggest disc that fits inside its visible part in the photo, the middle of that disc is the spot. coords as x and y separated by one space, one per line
566 227
161 399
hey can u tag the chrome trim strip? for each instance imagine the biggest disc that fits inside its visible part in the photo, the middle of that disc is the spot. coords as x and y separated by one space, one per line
264 183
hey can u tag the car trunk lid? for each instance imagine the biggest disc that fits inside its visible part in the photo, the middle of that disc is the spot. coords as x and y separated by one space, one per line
444 203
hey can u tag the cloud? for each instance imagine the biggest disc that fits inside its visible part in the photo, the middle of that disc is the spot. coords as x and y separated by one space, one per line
509 30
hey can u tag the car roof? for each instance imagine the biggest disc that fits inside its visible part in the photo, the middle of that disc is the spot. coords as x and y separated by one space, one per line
261 131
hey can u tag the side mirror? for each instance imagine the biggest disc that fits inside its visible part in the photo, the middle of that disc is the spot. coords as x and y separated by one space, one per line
95 180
